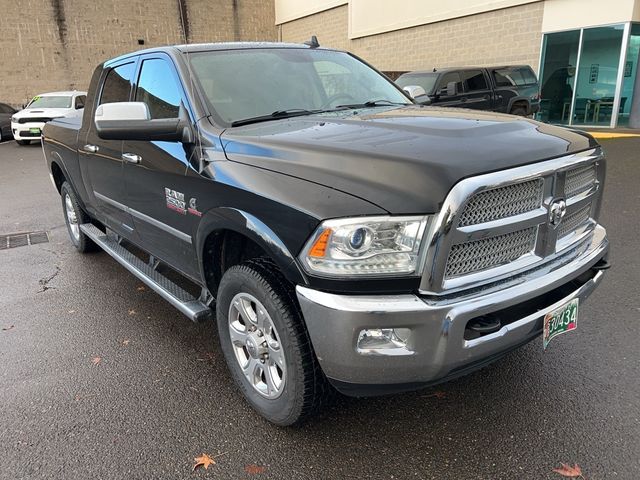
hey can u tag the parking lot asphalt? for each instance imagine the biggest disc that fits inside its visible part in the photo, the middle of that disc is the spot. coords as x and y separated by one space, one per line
100 378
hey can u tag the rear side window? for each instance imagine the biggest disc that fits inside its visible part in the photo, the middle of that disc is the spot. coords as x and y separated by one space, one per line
514 77
474 80
117 85
158 88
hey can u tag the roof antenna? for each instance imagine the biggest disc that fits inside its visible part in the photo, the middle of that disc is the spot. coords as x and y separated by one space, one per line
313 43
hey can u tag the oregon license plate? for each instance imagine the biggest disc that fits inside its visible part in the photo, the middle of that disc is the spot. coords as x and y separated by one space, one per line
559 321
34 130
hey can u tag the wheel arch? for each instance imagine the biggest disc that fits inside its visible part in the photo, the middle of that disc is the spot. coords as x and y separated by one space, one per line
519 101
223 228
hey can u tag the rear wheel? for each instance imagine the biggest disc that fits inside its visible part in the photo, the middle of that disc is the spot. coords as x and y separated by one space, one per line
520 111
23 142
74 216
266 346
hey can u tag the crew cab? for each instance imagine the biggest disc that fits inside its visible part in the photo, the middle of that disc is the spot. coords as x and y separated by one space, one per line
505 89
27 124
346 237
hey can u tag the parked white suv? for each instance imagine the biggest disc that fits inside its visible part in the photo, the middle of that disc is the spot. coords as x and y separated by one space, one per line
26 125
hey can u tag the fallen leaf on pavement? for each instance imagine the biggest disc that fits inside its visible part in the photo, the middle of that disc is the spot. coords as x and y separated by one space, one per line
141 288
7 328
568 471
125 342
205 460
254 469
96 360
132 312
72 311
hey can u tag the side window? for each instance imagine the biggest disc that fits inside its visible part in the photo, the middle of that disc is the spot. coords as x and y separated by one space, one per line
80 100
117 85
474 80
446 79
528 76
158 89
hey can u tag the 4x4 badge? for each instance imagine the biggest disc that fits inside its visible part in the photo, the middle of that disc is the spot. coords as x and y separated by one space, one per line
557 211
193 208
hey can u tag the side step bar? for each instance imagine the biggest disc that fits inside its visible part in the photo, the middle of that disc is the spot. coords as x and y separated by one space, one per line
172 293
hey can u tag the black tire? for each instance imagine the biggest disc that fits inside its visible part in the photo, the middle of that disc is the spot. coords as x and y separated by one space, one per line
82 243
519 111
306 388
23 142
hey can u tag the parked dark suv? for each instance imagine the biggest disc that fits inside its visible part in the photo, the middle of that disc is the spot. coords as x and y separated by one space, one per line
512 89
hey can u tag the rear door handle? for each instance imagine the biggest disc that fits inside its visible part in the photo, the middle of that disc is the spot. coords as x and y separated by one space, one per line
91 148
131 158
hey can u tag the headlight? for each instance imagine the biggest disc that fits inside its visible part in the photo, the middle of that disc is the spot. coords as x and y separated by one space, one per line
366 246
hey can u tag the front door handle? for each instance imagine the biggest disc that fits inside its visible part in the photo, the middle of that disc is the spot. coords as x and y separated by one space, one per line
131 158
91 148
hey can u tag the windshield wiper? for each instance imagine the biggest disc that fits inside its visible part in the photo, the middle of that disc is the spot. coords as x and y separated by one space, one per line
373 103
278 114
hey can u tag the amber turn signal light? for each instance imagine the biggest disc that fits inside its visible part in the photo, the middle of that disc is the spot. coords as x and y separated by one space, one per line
319 247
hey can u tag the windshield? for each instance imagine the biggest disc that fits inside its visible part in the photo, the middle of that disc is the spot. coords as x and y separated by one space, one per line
242 84
51 101
424 80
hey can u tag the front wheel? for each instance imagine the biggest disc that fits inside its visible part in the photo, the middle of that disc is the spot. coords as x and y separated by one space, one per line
23 142
266 346
74 216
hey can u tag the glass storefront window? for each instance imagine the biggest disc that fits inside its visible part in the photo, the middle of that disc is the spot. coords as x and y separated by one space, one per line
581 77
630 73
559 60
597 75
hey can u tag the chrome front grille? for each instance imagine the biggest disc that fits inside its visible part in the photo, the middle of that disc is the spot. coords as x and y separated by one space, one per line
502 202
479 255
579 180
494 226
574 220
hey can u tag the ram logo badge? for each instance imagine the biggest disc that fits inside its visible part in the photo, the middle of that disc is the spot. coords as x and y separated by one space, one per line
175 201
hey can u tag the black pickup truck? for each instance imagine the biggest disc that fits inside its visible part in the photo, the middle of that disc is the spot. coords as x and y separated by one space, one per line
347 238
506 89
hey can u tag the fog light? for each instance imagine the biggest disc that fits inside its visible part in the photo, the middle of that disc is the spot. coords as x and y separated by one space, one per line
384 341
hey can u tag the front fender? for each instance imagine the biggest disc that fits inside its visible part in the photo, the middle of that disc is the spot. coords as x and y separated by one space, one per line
250 226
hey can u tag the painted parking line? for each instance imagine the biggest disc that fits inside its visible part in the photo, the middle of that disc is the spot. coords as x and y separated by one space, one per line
602 135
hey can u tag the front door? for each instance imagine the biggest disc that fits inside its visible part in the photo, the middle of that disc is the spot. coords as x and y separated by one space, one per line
441 98
477 93
157 187
101 160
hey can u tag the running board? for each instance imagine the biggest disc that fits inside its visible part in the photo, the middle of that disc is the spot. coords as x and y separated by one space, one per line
172 293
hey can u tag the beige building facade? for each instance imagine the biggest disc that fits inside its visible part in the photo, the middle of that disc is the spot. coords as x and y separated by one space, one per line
585 52
58 43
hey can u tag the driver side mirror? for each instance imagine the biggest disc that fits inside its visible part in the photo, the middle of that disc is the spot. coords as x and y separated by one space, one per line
132 121
450 90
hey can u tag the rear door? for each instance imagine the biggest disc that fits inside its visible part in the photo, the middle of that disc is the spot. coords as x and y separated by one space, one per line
101 160
157 188
441 98
477 90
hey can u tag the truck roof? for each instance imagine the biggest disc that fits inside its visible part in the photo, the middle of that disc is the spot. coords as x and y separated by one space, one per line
205 47
464 67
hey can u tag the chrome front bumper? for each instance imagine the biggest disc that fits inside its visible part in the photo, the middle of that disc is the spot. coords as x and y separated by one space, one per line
436 347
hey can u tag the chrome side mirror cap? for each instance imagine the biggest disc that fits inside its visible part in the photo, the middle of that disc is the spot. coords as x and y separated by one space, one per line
414 91
122 111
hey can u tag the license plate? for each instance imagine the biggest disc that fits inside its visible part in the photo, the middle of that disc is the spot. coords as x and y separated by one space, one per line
559 321
34 130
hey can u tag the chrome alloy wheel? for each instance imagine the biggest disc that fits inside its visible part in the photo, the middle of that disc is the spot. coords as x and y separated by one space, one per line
256 345
72 218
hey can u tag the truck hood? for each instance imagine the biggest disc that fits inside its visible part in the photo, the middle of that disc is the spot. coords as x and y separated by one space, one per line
43 112
404 160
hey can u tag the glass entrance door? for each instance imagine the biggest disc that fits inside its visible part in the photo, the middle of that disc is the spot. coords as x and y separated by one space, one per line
557 75
597 76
